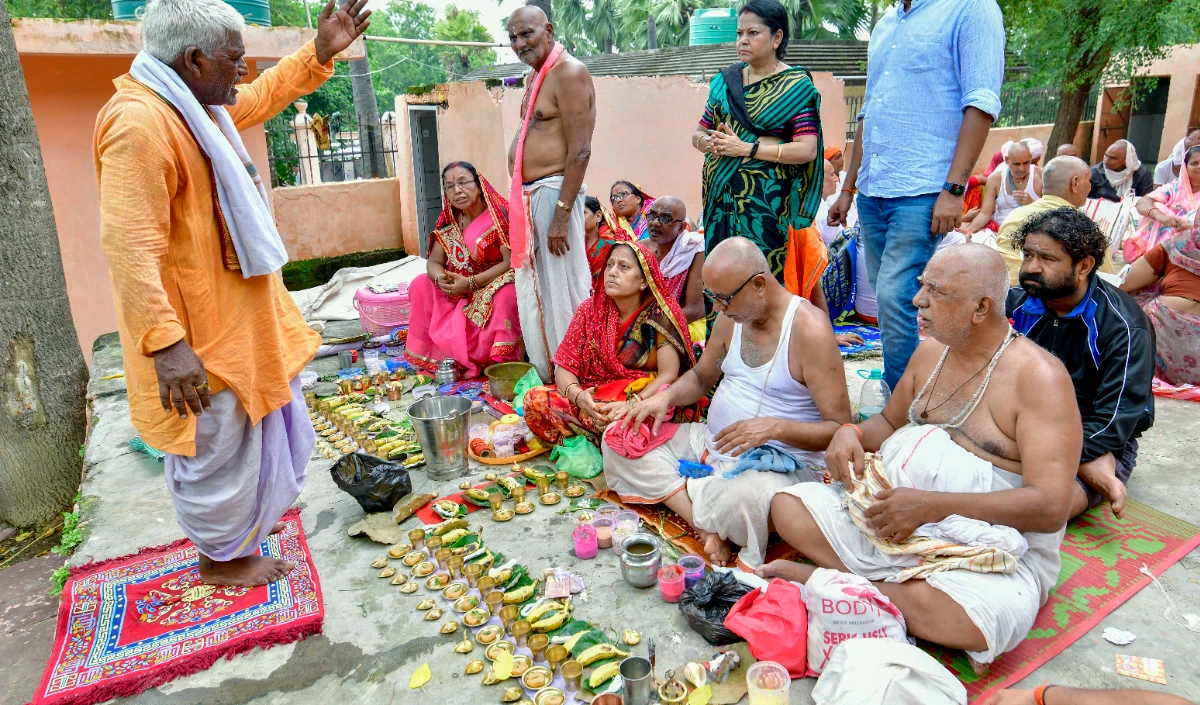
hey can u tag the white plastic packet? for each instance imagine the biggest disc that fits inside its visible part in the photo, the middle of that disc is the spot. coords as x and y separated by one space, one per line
883 672
843 606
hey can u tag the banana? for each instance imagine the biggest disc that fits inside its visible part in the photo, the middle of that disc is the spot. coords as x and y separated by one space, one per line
477 494
536 612
508 483
515 597
532 474
453 535
600 651
449 525
552 622
602 675
575 639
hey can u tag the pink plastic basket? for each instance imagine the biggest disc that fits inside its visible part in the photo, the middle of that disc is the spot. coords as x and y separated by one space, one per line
381 313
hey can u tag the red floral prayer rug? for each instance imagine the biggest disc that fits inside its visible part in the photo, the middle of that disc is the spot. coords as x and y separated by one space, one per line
132 623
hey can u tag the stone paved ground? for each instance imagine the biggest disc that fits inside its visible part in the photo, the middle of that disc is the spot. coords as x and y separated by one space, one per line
373 639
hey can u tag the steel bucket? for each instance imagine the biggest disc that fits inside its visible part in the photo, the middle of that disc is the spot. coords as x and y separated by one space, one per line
441 426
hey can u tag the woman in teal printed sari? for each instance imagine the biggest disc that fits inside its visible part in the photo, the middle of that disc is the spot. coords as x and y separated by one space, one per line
761 139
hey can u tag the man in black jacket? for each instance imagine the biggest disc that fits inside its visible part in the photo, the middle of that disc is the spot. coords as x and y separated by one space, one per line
1099 333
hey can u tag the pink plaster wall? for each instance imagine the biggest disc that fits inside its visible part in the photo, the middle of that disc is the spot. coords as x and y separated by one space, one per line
332 219
643 133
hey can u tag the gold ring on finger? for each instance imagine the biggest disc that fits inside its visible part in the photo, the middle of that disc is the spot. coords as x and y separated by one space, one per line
202 385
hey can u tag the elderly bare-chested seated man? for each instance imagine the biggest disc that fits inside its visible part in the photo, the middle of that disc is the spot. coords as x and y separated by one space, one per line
979 446
782 398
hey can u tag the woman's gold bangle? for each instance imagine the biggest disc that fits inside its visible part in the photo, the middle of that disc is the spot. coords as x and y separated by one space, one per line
779 153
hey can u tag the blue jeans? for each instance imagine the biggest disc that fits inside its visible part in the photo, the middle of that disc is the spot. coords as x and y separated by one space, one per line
899 245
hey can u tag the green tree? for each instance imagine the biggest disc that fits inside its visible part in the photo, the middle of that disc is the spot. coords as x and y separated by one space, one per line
828 19
463 26
62 9
43 377
1077 44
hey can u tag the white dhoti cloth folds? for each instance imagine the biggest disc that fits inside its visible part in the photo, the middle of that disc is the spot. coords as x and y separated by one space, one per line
549 287
243 477
735 509
1002 605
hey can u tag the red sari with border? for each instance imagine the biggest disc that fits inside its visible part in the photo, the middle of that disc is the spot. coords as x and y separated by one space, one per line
480 327
617 358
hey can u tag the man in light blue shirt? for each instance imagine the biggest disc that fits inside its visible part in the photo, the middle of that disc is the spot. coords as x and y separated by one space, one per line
934 69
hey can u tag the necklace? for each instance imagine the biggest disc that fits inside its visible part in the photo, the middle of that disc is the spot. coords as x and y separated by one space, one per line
746 79
991 365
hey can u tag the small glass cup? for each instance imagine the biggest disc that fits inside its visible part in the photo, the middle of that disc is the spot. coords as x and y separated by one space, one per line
441 556
608 510
556 655
604 531
572 673
520 631
485 583
537 644
494 600
454 564
433 543
495 499
508 614
472 572
518 492
561 478
417 538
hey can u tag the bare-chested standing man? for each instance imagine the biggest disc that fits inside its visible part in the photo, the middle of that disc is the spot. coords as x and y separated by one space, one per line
988 419
548 157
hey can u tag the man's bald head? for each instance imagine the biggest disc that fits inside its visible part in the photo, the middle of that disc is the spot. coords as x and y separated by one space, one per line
531 35
1067 149
1068 178
675 206
1114 156
1019 151
734 258
972 271
675 211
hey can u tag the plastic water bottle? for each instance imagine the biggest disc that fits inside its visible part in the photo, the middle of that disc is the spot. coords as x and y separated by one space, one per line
874 394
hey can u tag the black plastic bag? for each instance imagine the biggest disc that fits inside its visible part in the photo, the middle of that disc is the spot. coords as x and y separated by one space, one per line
706 603
377 484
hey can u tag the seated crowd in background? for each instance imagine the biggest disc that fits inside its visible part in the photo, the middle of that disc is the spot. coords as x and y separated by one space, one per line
1166 278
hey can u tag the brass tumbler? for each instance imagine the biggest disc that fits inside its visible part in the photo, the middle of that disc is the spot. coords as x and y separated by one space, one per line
472 573
556 655
508 614
572 673
520 631
537 644
561 478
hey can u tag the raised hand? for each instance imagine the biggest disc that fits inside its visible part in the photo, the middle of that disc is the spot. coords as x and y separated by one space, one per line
337 27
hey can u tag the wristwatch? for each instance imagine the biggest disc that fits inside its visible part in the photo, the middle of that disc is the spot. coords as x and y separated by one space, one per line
954 189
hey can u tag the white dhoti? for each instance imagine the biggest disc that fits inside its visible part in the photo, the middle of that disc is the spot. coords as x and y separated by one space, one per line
1002 605
735 509
550 287
243 477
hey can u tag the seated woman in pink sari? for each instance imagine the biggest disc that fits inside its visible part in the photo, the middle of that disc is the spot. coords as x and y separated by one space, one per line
1164 211
465 307
627 342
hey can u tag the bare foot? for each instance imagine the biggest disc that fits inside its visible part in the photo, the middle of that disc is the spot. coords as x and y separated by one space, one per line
787 570
279 526
1103 479
981 669
717 549
250 571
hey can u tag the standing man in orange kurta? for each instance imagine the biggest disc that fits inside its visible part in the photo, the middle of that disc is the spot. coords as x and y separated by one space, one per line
213 344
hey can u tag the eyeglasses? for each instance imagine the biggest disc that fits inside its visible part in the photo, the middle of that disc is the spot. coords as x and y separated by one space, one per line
620 195
728 299
461 185
664 218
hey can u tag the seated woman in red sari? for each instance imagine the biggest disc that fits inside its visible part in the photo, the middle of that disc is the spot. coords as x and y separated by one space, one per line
466 306
625 343
601 231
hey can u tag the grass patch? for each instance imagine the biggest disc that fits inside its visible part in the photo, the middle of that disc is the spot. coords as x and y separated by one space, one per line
69 540
307 273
